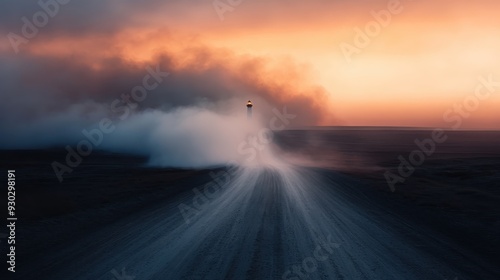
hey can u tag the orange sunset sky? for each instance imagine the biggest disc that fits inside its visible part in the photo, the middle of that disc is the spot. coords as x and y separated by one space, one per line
428 56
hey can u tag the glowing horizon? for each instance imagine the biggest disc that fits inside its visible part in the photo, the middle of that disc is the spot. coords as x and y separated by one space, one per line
427 58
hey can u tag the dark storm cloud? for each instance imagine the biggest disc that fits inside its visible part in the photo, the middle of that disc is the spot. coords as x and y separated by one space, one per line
49 97
77 17
64 94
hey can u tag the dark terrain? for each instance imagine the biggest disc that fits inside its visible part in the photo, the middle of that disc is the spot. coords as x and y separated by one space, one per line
115 212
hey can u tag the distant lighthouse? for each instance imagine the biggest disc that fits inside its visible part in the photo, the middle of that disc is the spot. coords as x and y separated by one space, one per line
249 109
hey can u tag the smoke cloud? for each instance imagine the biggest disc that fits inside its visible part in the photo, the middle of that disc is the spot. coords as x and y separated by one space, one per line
190 112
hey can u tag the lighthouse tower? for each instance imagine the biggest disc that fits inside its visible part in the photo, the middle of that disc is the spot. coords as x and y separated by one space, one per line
249 109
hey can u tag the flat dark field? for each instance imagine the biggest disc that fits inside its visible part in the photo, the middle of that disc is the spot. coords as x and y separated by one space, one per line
115 217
